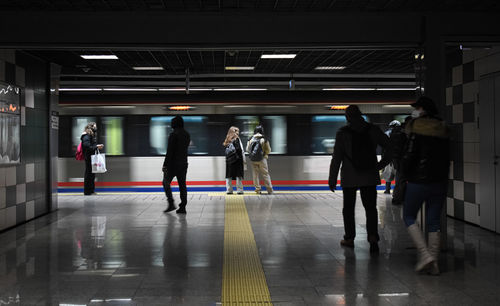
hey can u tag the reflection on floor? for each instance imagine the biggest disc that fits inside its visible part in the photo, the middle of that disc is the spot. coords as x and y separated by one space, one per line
122 250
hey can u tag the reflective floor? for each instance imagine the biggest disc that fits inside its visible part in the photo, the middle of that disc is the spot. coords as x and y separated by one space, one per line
122 250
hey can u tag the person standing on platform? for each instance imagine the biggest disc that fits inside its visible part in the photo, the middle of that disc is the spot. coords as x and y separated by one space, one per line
235 160
176 164
258 149
356 150
397 143
393 125
425 166
89 146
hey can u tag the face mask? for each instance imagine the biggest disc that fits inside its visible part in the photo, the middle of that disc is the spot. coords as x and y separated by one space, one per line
416 113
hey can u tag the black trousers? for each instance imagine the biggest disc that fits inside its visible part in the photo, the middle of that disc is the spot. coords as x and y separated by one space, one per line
369 200
181 179
89 178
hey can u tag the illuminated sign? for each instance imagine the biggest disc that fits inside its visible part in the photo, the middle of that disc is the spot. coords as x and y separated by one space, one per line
9 108
339 107
181 108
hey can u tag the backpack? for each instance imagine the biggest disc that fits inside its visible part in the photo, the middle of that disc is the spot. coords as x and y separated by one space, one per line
79 153
231 153
363 150
256 151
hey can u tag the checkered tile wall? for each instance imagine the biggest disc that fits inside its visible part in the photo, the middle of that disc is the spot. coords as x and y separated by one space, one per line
464 68
23 187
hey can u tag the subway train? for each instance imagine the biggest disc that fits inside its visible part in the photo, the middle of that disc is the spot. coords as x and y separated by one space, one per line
135 138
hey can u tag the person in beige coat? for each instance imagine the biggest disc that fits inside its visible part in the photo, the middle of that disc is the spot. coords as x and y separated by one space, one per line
258 149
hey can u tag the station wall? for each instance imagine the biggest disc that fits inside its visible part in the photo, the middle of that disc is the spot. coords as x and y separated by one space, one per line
464 70
23 187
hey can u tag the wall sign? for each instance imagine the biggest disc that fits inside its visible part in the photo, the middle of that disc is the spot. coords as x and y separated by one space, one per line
10 124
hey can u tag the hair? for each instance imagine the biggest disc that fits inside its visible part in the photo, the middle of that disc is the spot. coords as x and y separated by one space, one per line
231 135
259 129
89 128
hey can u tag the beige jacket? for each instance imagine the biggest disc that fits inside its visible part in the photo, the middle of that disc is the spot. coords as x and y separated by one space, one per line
266 147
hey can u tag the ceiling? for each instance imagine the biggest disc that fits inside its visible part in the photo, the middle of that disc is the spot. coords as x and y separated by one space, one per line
208 68
251 5
216 61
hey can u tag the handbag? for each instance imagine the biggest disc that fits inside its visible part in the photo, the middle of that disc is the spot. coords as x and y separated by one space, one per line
388 172
98 162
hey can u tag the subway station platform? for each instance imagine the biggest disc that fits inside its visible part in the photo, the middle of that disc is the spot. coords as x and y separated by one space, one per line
281 249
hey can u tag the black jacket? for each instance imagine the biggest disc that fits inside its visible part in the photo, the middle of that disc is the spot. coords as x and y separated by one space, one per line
427 154
235 169
342 154
397 145
89 145
177 151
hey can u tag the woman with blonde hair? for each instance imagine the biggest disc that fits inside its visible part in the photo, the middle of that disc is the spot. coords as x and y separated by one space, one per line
235 159
89 146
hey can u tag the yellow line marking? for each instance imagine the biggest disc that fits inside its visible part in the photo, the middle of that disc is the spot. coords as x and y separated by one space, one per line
243 279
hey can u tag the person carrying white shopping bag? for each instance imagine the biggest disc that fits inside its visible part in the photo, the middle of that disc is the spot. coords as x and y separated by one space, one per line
98 161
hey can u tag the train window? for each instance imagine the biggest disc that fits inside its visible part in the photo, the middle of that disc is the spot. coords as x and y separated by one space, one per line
112 135
160 127
78 126
247 125
275 129
324 129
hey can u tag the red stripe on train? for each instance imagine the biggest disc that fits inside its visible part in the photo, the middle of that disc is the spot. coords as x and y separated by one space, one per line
194 183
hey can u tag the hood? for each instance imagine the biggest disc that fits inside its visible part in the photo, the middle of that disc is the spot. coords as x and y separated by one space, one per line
177 122
428 126
358 124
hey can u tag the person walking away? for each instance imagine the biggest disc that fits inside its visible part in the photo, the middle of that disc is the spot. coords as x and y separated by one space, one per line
397 144
89 146
394 124
356 151
235 159
425 166
176 164
258 149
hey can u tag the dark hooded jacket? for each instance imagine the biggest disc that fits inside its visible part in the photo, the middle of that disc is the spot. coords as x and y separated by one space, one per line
89 145
426 158
342 155
177 150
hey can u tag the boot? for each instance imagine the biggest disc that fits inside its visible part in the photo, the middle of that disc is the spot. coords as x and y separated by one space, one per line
424 257
170 207
182 209
434 247
387 188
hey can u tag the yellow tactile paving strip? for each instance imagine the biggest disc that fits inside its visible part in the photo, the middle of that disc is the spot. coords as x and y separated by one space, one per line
243 279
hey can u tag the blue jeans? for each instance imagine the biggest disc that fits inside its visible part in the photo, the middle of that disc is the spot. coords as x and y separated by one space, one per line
434 195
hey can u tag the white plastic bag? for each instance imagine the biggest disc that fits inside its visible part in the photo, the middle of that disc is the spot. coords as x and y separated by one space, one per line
98 161
388 172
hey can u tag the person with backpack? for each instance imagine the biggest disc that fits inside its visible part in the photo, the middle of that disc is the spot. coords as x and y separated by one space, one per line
235 159
258 149
176 164
425 167
356 151
88 147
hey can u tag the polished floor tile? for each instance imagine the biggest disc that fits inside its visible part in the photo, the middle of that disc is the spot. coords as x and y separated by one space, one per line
122 250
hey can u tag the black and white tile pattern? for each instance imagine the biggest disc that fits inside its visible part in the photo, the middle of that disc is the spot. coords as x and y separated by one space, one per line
464 68
23 187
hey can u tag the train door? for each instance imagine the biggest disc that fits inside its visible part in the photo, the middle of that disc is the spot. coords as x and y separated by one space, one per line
489 100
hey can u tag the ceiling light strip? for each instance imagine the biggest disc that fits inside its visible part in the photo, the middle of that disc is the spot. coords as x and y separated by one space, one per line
100 57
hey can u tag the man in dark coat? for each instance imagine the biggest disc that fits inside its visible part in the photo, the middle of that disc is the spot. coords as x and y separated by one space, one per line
355 149
175 164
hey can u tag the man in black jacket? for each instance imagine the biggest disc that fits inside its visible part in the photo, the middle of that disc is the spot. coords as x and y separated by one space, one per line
355 149
425 166
175 164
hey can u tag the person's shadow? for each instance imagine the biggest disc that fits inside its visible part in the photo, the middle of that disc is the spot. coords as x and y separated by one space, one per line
175 257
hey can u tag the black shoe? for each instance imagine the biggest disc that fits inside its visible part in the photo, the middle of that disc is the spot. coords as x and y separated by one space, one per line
181 210
374 248
347 243
170 208
396 203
